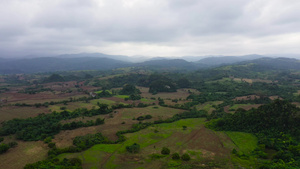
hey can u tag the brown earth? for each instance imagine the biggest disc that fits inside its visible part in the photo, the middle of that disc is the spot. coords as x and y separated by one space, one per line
24 153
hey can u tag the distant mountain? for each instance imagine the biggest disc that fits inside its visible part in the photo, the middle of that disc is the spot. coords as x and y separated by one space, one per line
223 60
52 64
172 64
98 55
275 63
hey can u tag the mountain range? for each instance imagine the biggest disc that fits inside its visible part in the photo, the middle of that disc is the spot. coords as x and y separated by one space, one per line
99 61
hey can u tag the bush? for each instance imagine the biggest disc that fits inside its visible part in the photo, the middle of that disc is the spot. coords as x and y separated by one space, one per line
3 148
165 151
1 139
51 145
175 156
12 144
134 148
48 139
156 156
185 157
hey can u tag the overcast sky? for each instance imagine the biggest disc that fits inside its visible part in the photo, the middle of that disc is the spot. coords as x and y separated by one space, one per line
149 27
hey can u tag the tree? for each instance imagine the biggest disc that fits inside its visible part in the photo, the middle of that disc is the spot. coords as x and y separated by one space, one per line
129 89
165 151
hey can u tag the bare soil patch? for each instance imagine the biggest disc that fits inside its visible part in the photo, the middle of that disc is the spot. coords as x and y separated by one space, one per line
11 112
249 97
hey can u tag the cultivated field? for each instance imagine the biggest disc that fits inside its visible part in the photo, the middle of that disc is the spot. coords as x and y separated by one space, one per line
205 147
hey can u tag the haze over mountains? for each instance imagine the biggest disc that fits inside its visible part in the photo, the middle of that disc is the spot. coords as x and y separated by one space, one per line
100 61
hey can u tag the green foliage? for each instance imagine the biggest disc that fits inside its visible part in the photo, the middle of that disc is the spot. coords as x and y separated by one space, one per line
12 144
158 83
185 157
141 118
1 139
45 125
3 148
129 89
104 93
184 83
74 163
51 145
54 78
165 151
276 126
134 148
175 156
156 156
87 141
135 97
48 140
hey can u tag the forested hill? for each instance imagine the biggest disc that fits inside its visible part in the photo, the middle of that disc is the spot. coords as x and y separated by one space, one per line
276 63
52 64
215 61
173 63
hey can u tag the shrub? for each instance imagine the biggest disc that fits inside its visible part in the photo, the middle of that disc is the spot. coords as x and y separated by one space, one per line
165 151
185 157
12 144
3 148
134 148
175 156
48 139
51 145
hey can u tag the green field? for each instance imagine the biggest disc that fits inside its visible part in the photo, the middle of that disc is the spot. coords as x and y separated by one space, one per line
122 96
171 135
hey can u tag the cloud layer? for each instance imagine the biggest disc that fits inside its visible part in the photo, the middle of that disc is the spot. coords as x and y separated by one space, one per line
154 28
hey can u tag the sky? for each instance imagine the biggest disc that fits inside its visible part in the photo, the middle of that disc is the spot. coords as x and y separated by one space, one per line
149 27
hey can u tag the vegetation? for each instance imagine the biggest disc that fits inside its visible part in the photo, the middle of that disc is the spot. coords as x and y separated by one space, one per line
134 148
265 134
277 127
165 151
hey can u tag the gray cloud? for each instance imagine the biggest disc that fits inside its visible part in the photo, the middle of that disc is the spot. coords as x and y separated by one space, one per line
142 27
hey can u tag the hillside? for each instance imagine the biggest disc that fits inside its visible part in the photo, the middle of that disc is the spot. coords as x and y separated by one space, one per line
221 60
52 64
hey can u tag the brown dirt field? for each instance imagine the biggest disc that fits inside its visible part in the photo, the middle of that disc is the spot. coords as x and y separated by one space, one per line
250 97
39 97
11 112
24 153
253 80
275 97
181 93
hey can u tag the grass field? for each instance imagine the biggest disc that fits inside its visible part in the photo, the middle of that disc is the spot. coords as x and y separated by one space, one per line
203 145
208 106
122 96
245 142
